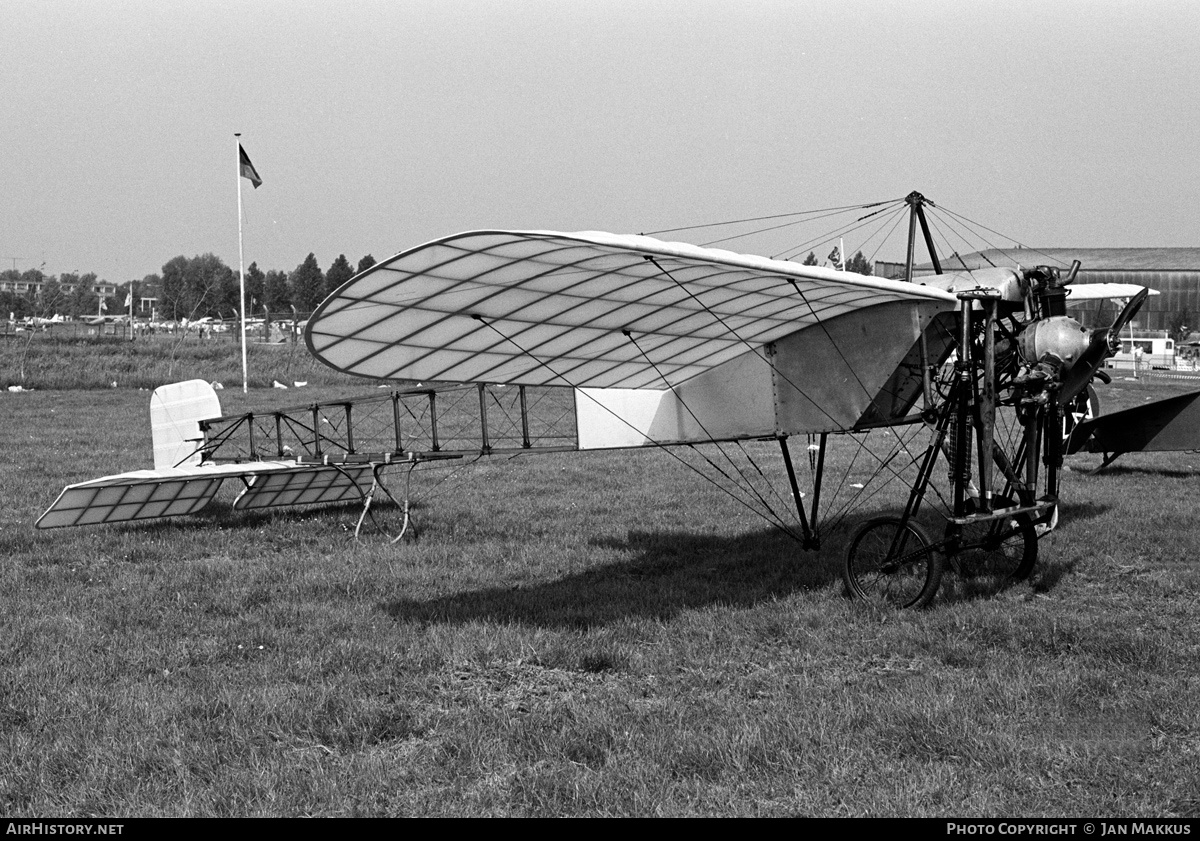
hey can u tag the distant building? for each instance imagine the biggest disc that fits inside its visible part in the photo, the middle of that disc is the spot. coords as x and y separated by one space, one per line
1173 272
23 285
889 271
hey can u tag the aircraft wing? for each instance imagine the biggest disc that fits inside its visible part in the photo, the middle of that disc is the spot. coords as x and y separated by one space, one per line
600 311
557 305
1095 291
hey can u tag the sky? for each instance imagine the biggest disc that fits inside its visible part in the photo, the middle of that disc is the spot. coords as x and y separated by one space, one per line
377 126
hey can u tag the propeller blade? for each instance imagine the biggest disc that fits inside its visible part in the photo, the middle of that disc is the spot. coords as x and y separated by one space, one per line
1103 344
1127 314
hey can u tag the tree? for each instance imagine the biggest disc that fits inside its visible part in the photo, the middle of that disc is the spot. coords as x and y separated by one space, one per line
18 300
53 298
196 287
308 284
277 297
83 300
859 263
366 263
229 295
811 259
16 304
255 289
338 273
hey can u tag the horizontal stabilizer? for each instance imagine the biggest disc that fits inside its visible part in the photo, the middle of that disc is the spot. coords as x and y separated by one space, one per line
305 486
145 494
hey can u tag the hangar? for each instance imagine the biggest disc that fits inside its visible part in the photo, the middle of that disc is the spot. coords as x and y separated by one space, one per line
1173 272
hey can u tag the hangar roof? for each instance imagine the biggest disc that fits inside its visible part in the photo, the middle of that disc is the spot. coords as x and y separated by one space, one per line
1093 259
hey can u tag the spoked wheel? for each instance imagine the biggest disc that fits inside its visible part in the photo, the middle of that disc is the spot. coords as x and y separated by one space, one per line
892 562
993 554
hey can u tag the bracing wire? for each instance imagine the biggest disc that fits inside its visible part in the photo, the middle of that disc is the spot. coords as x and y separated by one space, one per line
826 238
816 214
774 517
663 446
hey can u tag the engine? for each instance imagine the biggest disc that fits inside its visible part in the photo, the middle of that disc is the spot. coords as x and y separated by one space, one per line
1058 355
1059 340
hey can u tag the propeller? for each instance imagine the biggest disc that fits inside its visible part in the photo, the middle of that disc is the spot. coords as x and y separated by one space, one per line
1104 342
1127 314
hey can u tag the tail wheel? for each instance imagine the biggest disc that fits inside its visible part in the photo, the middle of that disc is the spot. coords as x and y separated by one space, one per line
891 562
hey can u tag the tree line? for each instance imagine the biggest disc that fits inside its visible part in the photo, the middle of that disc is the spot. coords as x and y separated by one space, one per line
188 287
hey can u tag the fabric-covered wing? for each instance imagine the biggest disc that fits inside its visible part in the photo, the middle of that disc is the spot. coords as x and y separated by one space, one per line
591 309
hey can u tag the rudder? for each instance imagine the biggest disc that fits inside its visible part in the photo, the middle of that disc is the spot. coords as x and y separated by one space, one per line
175 414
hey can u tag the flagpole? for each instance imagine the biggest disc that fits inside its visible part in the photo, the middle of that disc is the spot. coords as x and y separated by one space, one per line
241 262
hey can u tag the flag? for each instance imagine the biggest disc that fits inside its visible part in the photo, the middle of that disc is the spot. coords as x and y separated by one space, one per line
128 298
835 256
103 304
248 170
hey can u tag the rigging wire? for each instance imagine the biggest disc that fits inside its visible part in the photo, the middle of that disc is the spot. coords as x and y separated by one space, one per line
824 211
741 340
827 237
937 231
883 462
663 446
965 222
823 239
898 217
749 485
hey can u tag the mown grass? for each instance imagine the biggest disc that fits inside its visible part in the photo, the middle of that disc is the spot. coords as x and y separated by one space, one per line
47 361
580 634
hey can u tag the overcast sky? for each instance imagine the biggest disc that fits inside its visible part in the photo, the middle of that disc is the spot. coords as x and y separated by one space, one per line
379 125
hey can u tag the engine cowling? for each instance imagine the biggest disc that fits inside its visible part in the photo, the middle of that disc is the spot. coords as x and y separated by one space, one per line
1060 336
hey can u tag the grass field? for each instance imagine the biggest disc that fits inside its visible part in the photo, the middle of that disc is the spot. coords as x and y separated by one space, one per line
581 634
48 361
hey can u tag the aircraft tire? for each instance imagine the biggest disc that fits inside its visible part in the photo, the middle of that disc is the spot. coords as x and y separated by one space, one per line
870 573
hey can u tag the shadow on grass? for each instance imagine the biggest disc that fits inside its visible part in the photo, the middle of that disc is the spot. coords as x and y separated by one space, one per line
1048 571
1075 512
220 513
670 572
1122 468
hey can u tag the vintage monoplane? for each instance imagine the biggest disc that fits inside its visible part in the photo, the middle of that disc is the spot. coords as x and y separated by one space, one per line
543 341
